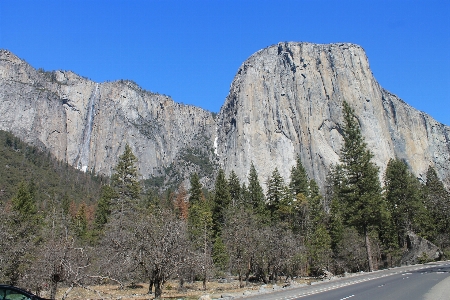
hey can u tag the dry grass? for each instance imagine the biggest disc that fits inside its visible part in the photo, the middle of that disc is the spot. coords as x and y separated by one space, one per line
170 291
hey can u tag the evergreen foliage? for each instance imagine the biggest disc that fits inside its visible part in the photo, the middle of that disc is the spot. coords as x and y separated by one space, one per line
402 192
299 179
275 189
125 179
104 206
255 193
364 206
24 202
195 192
234 187
45 175
222 200
437 202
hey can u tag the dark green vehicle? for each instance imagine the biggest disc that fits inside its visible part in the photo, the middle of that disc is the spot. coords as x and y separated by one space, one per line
8 292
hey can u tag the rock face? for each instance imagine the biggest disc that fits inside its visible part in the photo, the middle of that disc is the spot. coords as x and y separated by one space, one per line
88 124
286 100
419 249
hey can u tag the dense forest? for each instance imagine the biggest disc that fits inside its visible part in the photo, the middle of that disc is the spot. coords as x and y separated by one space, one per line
62 227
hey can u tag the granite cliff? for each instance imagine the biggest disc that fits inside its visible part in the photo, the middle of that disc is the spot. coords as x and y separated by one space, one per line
88 124
285 100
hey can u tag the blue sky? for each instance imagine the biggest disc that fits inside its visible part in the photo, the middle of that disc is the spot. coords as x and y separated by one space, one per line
191 50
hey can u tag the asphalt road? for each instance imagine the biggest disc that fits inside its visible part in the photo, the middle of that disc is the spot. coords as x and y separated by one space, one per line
430 281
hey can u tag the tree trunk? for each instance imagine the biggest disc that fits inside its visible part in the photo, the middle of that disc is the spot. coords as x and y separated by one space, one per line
181 282
158 289
369 250
53 289
150 286
240 280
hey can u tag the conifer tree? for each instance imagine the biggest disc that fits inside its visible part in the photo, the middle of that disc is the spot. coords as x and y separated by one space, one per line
222 200
80 221
245 197
234 187
319 249
103 210
299 179
317 214
403 199
274 197
24 203
255 193
334 186
364 206
195 192
125 182
437 201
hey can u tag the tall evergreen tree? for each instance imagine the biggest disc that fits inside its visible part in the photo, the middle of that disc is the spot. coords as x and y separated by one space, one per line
364 206
332 189
103 210
222 200
299 179
255 193
275 185
125 183
195 192
437 201
234 186
403 199
23 202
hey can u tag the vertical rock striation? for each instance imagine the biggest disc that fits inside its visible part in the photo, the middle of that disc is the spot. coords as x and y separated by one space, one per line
88 124
286 100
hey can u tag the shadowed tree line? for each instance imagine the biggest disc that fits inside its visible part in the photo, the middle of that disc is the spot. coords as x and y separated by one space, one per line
134 235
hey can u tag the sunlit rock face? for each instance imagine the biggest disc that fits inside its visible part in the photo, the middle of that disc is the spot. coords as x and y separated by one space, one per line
285 100
88 124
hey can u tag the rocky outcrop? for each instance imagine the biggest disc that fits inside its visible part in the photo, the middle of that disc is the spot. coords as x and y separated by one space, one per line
286 100
419 250
88 124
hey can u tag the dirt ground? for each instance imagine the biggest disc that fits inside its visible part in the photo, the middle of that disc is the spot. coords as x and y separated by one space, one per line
170 291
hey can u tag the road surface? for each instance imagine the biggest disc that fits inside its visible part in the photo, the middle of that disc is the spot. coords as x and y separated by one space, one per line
430 282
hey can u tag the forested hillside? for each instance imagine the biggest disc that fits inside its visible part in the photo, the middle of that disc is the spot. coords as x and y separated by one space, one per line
117 231
50 179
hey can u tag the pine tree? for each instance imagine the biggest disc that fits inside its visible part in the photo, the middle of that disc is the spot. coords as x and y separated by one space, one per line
319 249
317 214
80 221
65 204
219 254
103 210
275 185
222 200
24 202
437 202
403 199
255 193
195 192
125 182
299 179
364 206
234 187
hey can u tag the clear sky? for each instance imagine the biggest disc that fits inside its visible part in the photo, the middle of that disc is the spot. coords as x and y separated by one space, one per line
191 50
